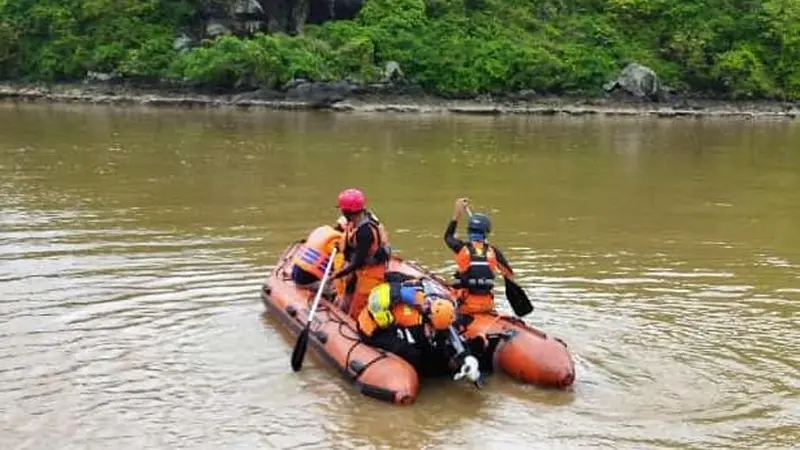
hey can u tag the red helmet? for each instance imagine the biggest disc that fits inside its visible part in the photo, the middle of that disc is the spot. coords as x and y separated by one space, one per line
351 201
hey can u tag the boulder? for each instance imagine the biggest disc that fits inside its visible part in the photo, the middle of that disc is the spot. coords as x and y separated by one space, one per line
638 80
250 16
248 7
182 43
216 28
392 73
101 77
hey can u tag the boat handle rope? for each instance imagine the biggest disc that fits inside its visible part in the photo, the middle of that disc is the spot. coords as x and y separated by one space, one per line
356 342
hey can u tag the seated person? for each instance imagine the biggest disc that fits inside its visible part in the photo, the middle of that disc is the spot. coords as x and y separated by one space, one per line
310 261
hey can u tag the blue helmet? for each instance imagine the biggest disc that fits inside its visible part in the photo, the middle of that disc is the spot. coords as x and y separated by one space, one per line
479 223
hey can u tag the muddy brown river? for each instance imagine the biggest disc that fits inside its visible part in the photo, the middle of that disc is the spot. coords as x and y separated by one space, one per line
133 243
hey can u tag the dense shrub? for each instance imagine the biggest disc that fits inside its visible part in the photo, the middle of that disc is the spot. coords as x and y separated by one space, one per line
737 48
63 39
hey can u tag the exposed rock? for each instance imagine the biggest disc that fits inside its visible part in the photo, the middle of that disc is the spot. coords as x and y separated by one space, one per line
525 95
327 94
252 26
99 76
275 15
293 83
182 43
266 94
245 17
639 81
320 94
286 16
243 7
298 15
392 73
216 28
321 11
324 10
392 90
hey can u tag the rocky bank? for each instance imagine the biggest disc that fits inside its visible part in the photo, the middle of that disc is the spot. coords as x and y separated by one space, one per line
637 91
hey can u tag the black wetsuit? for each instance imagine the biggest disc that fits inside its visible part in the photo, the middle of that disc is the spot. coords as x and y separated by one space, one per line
455 244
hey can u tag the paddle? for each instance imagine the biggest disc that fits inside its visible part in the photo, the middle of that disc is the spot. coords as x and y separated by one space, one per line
516 296
299 351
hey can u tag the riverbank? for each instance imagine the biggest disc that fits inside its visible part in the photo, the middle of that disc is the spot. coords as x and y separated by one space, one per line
392 102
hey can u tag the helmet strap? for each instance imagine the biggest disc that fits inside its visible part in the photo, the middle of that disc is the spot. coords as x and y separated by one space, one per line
350 215
475 236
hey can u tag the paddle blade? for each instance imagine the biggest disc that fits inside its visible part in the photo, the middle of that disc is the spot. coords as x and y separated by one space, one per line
518 299
299 352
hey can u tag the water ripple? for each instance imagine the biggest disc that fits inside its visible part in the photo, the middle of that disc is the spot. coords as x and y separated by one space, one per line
675 337
133 244
118 322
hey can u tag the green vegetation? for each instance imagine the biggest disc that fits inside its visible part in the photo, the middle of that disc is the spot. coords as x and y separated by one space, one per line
738 48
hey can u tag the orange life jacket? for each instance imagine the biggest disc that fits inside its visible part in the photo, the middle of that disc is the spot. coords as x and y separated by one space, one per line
316 251
477 267
405 316
372 272
379 251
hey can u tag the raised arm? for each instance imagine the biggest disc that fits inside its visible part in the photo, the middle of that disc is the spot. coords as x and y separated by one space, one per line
450 239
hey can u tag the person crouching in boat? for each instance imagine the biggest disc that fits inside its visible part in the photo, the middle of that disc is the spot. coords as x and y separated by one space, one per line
308 265
394 320
366 250
478 262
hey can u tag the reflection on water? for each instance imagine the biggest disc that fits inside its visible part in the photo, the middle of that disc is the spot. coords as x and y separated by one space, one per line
133 243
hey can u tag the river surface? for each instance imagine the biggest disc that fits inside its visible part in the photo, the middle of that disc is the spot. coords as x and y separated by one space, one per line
133 243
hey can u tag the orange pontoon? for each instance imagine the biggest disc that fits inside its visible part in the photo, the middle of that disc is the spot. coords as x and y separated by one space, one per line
334 336
528 354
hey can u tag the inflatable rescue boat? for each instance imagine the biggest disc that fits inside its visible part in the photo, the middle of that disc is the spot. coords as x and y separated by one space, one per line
524 353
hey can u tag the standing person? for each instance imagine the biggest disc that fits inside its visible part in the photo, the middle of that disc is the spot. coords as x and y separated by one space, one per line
478 261
366 252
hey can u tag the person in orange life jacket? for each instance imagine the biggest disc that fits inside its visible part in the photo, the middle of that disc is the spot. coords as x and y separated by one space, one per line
311 259
366 250
478 262
394 320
